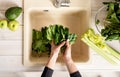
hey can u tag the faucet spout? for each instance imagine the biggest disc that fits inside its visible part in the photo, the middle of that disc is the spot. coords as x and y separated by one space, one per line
62 3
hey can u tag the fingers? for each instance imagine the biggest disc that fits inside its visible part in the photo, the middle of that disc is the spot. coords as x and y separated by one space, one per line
63 43
60 45
67 43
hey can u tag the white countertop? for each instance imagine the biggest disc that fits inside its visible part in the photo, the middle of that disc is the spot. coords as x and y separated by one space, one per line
11 44
62 74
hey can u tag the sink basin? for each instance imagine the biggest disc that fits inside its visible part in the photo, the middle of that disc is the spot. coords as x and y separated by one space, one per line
75 18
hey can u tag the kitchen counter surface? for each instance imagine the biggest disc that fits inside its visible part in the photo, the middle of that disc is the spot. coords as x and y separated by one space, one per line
63 74
11 45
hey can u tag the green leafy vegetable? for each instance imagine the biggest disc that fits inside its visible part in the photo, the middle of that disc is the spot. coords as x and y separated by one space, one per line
112 21
41 40
39 45
97 43
117 0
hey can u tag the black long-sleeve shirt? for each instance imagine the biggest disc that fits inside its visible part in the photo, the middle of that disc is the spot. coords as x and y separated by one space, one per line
48 73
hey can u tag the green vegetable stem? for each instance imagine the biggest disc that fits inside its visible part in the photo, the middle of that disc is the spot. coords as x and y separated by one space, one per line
97 43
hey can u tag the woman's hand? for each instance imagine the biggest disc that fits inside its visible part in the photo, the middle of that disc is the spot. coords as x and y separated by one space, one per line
68 59
54 54
67 53
55 49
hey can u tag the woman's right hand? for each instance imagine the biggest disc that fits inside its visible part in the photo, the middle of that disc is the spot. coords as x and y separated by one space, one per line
68 59
67 53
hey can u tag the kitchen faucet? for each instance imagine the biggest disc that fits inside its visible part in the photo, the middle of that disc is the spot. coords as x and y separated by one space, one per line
62 3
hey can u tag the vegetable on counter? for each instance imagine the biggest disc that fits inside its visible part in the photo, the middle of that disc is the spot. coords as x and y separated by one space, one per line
41 40
112 21
97 43
13 12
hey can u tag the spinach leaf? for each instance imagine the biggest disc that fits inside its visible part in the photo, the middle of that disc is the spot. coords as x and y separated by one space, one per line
112 28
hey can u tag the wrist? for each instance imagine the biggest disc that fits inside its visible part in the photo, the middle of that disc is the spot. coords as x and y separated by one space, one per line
68 60
52 60
54 56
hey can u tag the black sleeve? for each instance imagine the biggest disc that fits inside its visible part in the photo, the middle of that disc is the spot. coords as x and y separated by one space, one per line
75 74
47 72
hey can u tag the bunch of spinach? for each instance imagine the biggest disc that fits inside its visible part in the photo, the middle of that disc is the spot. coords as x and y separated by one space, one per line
112 21
41 40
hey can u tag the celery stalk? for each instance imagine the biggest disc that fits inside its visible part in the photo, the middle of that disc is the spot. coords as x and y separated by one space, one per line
113 52
97 43
94 47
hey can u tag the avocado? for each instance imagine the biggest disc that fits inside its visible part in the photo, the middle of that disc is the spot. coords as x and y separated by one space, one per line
13 12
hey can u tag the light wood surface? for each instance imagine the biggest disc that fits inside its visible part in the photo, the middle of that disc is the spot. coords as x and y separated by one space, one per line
11 45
